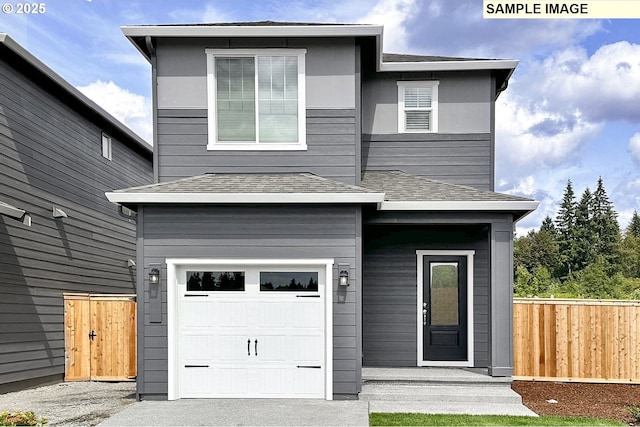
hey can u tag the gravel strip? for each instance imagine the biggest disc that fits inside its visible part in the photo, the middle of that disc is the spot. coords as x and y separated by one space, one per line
73 403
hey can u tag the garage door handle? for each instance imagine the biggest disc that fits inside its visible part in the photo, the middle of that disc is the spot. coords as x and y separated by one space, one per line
248 347
309 366
196 366
307 296
195 295
256 347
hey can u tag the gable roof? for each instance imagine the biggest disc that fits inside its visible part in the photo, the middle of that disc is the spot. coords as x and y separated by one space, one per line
409 192
52 78
247 188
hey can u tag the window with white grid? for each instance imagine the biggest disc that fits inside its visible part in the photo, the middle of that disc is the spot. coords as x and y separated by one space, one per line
417 106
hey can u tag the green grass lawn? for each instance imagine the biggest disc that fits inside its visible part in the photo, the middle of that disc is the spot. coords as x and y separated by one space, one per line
385 419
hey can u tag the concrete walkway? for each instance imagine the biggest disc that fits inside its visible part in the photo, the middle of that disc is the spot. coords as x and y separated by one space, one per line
243 412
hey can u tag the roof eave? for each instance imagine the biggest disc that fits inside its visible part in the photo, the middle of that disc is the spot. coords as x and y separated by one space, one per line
481 64
133 32
520 208
242 198
75 93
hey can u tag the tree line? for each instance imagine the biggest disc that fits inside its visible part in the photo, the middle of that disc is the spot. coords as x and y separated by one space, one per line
581 253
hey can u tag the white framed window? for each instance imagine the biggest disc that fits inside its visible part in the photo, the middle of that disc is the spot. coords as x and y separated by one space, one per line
417 106
106 146
256 99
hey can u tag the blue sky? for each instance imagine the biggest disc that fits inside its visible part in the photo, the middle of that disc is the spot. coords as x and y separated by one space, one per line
572 109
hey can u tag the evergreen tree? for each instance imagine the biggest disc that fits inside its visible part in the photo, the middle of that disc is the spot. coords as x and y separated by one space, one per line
547 225
584 235
634 226
566 226
605 228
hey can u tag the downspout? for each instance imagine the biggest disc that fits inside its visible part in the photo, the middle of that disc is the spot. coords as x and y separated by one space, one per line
154 104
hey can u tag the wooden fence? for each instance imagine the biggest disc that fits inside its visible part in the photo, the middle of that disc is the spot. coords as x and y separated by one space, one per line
100 337
577 340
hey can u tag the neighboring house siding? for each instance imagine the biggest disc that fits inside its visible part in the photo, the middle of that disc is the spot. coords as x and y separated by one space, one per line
50 155
331 139
464 159
390 288
282 232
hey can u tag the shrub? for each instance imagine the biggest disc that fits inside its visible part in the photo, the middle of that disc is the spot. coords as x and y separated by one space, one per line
634 411
19 418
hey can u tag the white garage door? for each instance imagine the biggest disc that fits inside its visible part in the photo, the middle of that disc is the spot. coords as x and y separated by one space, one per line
250 331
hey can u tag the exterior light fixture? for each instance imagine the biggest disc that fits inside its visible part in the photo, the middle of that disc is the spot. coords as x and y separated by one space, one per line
154 276
343 279
131 263
59 213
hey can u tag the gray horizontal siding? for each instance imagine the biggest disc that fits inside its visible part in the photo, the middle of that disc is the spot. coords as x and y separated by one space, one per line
331 152
50 155
390 289
457 158
286 232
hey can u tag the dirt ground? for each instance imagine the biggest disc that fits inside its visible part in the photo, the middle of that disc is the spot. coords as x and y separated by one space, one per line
579 399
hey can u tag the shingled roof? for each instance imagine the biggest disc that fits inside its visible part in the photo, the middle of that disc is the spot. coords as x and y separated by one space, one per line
399 186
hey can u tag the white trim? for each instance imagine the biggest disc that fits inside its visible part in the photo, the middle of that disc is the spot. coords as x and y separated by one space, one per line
251 30
470 333
123 197
172 309
458 205
482 64
213 144
433 121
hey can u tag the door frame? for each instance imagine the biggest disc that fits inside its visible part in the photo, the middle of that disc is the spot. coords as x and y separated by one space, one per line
469 254
173 392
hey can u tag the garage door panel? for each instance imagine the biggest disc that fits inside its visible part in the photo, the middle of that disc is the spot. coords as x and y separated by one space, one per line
230 314
196 313
198 348
197 382
272 315
272 381
271 348
306 348
307 314
307 382
231 382
231 348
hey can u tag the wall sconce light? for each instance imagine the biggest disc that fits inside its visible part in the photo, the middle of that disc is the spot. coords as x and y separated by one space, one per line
343 279
131 263
59 213
154 276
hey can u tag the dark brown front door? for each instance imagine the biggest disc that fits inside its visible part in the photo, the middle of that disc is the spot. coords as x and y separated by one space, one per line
444 308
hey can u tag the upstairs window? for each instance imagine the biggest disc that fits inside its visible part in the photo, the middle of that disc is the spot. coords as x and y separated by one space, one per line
417 107
106 146
256 99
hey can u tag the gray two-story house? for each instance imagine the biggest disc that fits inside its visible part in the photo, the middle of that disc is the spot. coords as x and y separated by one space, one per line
319 206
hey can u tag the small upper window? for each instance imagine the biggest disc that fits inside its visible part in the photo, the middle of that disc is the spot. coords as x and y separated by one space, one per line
417 106
106 146
256 99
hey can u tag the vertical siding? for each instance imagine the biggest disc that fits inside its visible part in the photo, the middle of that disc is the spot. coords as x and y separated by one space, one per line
50 154
252 232
390 288
331 153
464 159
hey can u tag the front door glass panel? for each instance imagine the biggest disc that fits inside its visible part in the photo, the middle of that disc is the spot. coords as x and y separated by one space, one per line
444 294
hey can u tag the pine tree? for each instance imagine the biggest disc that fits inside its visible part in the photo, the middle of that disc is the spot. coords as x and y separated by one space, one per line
634 226
547 225
566 226
605 227
584 235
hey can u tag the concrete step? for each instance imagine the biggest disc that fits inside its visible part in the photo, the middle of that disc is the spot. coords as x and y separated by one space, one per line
421 392
450 408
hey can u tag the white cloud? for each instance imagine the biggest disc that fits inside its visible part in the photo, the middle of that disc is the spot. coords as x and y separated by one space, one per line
634 147
393 14
131 109
604 86
530 134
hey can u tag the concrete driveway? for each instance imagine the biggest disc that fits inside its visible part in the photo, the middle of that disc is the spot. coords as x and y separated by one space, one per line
244 412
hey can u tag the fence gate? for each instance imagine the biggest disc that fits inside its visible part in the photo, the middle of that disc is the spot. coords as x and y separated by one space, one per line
100 337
